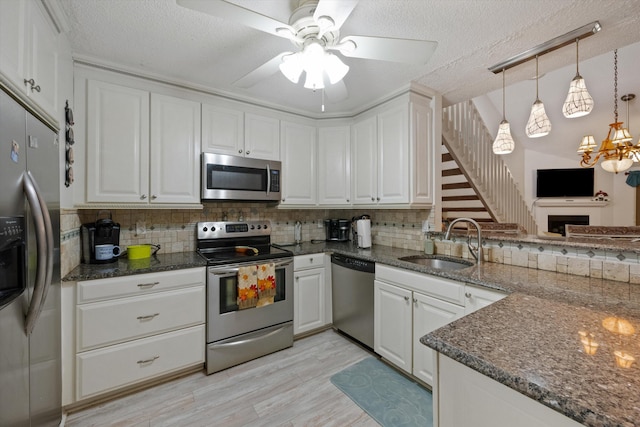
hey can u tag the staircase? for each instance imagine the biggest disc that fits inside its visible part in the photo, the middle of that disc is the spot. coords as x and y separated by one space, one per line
488 192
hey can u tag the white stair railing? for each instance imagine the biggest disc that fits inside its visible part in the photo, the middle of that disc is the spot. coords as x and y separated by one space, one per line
470 143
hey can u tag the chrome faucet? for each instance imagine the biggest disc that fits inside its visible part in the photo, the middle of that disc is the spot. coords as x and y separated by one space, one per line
475 252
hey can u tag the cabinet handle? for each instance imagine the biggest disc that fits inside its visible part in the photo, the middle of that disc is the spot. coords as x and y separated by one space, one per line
310 259
415 300
347 200
406 299
282 200
248 152
378 199
373 199
150 360
148 285
297 278
154 197
467 294
142 197
239 151
148 317
32 82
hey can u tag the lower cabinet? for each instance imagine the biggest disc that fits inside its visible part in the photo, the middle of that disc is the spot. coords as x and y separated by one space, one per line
134 328
310 292
465 397
409 305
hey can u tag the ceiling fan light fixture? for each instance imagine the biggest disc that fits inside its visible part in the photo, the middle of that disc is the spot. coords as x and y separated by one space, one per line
291 67
314 79
335 68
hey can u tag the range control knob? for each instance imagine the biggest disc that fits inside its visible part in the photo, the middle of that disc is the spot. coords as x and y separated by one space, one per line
259 227
253 226
265 226
205 229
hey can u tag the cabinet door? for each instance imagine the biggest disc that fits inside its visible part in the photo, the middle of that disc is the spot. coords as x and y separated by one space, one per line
175 150
429 314
393 155
476 298
364 161
422 153
298 153
43 60
222 130
13 41
262 137
334 165
309 300
118 155
392 324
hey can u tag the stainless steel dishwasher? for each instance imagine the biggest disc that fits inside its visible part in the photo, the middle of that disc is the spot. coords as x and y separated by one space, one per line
352 297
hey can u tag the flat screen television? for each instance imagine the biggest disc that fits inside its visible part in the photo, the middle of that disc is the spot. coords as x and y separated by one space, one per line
565 182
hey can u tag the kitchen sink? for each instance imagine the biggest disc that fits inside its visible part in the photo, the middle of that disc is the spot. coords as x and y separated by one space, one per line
437 262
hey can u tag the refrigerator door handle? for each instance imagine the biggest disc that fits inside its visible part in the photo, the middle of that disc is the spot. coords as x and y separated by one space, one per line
44 246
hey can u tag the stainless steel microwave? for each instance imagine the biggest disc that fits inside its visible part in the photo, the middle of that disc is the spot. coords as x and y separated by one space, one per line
239 178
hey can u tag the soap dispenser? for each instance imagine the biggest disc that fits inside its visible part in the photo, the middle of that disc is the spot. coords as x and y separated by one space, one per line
429 244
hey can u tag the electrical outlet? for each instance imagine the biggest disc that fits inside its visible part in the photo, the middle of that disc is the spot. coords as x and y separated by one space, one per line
320 223
141 228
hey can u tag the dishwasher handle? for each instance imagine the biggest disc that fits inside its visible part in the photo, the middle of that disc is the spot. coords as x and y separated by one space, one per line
353 263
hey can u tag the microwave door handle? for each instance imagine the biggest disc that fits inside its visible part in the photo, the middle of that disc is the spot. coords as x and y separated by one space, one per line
41 250
268 180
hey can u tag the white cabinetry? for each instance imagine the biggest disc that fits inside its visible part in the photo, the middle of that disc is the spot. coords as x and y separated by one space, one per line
227 130
310 293
144 148
392 154
467 398
298 155
334 165
29 53
135 328
409 305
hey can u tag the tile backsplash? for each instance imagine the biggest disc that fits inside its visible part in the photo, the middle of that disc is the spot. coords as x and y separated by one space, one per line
174 230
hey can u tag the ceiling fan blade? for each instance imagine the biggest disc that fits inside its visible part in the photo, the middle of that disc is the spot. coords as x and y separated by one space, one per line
262 72
387 49
337 10
239 14
336 92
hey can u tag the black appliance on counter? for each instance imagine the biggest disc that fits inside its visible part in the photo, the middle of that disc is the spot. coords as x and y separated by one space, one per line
337 230
103 231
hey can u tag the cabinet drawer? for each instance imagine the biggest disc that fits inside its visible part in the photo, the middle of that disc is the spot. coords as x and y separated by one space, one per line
107 369
114 321
437 287
139 284
302 262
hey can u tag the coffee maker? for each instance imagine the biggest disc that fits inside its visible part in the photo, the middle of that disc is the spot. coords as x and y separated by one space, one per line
337 230
104 231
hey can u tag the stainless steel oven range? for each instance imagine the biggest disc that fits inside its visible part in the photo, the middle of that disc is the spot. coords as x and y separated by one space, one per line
234 334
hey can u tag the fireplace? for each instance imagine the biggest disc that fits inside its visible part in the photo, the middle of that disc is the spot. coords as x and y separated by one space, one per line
556 223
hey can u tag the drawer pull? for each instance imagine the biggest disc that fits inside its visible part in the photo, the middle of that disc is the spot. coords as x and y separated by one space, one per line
467 294
150 360
148 317
148 285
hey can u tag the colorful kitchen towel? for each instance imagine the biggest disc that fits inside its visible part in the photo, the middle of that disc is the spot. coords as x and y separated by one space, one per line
266 284
247 287
633 178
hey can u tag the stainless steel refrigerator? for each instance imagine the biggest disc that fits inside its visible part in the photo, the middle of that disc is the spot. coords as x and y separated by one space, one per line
30 356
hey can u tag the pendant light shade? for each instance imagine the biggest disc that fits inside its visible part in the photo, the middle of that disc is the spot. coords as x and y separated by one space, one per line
503 144
538 124
579 102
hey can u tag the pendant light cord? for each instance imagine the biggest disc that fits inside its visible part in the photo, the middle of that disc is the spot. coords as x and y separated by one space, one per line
577 71
615 85
503 115
537 99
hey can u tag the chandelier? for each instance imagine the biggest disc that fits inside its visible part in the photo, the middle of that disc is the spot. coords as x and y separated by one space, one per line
617 150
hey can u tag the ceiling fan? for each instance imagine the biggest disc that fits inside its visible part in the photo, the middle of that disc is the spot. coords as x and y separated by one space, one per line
314 29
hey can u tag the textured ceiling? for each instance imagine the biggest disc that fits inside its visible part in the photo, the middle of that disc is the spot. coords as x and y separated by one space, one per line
159 38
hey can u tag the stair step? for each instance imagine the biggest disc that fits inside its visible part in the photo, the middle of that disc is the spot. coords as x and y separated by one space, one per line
462 197
456 185
446 157
465 209
450 172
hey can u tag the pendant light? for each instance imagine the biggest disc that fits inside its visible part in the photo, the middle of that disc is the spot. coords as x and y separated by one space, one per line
503 143
579 102
616 151
538 124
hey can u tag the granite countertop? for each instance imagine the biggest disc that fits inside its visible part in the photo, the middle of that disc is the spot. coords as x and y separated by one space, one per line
531 341
124 267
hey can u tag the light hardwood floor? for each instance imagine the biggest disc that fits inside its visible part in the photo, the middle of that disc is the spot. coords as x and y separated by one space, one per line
287 388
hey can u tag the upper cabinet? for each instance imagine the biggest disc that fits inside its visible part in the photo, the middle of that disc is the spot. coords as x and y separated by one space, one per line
392 154
334 165
144 148
298 154
29 53
226 130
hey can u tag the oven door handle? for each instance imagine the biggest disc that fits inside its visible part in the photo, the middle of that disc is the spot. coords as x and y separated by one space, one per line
234 270
252 339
